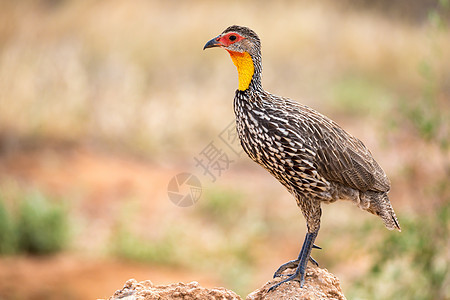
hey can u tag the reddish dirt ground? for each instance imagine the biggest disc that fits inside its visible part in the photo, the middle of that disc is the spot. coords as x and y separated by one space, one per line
97 184
67 276
105 181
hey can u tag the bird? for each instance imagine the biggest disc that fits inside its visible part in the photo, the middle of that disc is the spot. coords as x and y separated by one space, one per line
309 154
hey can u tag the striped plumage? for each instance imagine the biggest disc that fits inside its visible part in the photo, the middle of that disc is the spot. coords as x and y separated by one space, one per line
312 156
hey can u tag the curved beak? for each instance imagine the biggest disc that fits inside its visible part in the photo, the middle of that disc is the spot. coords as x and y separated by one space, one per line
213 43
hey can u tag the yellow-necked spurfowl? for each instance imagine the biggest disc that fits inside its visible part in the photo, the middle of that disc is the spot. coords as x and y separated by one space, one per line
312 156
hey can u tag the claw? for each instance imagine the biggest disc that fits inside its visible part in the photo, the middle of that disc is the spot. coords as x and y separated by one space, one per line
290 278
313 261
293 264
300 263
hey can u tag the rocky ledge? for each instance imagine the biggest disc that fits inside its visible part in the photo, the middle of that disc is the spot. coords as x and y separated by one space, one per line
319 284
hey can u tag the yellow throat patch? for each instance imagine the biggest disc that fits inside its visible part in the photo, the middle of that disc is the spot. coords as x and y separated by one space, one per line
245 68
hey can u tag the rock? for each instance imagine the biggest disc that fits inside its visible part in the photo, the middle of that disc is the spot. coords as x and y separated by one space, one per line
319 284
145 290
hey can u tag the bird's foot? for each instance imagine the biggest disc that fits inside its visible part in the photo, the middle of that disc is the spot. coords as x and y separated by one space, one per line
293 264
299 276
300 263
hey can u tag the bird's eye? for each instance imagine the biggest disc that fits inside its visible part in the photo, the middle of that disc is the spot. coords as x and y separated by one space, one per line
232 37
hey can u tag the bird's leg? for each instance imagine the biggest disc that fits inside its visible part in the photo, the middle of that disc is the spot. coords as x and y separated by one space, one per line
293 264
302 261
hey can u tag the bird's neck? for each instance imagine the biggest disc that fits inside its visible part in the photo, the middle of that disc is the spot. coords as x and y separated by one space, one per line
248 70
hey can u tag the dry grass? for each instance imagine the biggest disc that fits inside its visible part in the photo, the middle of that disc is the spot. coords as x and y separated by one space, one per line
116 71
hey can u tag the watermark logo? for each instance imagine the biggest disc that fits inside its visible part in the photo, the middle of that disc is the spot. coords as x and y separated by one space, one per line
184 189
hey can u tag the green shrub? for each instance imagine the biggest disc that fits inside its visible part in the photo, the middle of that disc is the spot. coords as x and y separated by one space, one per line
36 226
42 226
412 265
8 238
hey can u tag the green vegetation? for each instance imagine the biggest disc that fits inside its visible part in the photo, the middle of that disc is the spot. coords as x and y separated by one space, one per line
221 239
412 265
130 246
228 213
428 114
8 236
36 225
415 264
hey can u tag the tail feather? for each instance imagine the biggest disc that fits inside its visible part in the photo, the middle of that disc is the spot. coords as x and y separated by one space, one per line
381 206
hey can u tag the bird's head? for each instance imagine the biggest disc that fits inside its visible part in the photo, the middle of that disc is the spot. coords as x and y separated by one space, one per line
244 47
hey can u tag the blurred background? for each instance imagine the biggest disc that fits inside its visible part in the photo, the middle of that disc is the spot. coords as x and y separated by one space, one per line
102 103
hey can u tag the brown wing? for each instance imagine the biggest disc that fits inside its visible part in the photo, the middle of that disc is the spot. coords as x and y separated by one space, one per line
342 158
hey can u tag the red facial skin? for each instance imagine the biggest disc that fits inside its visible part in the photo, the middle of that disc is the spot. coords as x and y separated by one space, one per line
226 41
